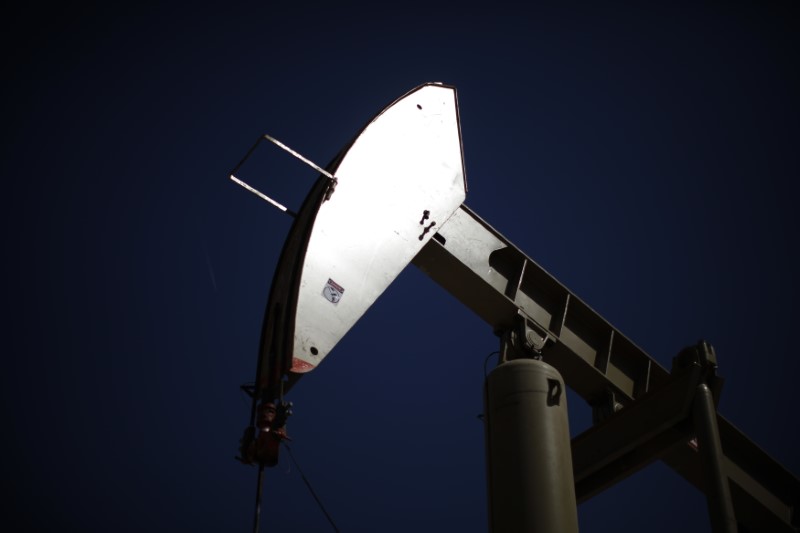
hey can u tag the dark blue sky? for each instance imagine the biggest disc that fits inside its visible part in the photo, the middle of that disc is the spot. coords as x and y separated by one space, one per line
646 157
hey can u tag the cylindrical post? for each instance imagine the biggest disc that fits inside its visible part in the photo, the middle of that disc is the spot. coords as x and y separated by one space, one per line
529 460
718 494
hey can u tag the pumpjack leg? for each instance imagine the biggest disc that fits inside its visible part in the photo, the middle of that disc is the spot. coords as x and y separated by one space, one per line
718 494
529 464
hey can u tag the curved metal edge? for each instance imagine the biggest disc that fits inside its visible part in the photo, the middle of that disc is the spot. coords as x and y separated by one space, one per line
277 331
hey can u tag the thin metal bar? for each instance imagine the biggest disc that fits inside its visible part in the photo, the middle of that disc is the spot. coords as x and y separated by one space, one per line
718 493
259 488
300 157
247 155
263 196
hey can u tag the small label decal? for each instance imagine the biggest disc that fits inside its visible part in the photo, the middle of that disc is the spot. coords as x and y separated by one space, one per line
332 291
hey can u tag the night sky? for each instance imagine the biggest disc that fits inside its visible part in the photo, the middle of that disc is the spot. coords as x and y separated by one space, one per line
646 157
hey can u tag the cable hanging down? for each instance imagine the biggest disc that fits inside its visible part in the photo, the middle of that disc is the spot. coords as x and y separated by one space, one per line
485 361
310 489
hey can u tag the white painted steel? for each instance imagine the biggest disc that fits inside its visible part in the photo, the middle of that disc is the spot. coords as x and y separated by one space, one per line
407 161
259 193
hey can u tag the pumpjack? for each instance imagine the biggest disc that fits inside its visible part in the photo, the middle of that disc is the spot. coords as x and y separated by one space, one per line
393 197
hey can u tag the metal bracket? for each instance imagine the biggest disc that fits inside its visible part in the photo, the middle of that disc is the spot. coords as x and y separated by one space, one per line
604 405
525 339
284 411
700 355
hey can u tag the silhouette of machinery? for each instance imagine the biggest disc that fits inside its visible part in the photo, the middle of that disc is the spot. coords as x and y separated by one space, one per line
395 196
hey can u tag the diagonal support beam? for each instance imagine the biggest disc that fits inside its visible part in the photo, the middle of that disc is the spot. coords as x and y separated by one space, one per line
633 437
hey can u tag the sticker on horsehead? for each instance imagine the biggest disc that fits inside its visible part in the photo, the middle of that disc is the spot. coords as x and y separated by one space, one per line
332 291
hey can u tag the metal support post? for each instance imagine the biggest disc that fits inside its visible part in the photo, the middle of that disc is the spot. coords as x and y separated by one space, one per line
717 489
529 462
